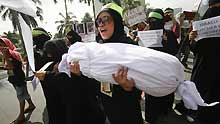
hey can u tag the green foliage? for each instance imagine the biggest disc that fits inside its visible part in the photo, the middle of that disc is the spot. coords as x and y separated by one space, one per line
86 1
13 37
64 24
108 1
13 16
58 35
87 18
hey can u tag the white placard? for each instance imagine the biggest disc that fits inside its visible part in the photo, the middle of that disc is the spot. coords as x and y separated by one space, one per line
135 16
151 38
24 6
207 28
36 81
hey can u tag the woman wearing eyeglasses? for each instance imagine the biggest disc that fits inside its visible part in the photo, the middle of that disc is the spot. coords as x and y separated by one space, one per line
121 102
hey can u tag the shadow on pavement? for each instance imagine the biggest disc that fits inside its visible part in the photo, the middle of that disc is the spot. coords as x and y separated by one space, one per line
28 122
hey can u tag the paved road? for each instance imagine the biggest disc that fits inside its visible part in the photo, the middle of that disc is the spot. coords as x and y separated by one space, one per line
9 105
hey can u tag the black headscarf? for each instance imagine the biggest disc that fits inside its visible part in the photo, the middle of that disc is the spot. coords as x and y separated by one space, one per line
212 12
159 23
56 48
213 2
40 36
75 37
119 33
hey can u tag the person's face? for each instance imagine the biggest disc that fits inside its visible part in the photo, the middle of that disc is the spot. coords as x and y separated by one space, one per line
152 23
67 40
105 25
168 16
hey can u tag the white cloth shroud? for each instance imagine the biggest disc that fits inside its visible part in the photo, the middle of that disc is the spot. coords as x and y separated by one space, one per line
154 72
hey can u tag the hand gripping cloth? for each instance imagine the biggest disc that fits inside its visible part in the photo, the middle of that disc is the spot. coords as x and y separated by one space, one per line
154 72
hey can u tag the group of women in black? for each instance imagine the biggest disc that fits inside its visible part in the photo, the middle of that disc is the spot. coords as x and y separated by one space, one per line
77 99
80 100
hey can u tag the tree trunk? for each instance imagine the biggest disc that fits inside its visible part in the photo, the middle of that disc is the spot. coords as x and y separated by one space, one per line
66 8
93 7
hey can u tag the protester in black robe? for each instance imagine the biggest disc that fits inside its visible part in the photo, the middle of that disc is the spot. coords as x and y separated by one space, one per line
206 69
40 36
122 106
72 37
68 99
157 107
121 102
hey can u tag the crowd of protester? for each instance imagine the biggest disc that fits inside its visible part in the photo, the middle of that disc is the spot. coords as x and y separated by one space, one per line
82 100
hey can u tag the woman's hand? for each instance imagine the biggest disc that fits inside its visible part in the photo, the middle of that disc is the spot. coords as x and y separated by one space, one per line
192 35
40 75
55 67
121 78
75 68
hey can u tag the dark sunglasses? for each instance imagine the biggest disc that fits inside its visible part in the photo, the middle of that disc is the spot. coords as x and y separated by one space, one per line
104 20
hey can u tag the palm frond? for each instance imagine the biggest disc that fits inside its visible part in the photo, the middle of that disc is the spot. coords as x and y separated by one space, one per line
26 19
14 23
2 8
41 17
39 9
62 15
55 1
5 14
71 1
61 21
37 2
33 22
85 1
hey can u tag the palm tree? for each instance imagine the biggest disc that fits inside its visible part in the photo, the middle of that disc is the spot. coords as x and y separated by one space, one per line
65 23
67 19
108 1
87 18
13 37
13 16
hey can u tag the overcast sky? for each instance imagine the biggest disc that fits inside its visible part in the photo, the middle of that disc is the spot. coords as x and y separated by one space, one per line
51 14
51 11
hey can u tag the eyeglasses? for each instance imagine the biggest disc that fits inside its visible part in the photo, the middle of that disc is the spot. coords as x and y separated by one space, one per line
103 20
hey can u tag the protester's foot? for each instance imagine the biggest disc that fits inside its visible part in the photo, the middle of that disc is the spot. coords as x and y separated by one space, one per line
29 109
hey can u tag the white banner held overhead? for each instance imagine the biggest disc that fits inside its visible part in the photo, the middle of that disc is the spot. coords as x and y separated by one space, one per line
24 6
28 41
151 38
207 28
135 16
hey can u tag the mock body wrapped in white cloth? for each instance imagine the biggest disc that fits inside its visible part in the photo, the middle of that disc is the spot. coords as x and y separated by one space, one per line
154 72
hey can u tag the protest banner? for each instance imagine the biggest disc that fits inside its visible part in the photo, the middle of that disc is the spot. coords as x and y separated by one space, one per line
135 16
151 38
207 28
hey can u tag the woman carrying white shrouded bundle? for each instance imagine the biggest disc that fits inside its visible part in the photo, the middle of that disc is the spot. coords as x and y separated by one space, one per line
154 72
